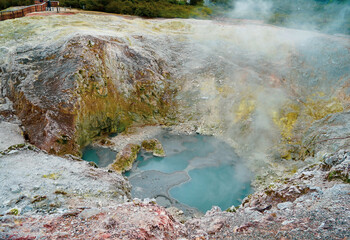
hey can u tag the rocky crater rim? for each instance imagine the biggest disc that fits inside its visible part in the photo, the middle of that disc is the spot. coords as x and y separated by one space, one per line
110 76
279 96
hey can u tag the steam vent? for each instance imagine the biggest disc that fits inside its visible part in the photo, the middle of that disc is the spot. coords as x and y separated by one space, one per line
122 127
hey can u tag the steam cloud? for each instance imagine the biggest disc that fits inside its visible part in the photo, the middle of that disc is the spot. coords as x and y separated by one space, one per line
325 16
252 9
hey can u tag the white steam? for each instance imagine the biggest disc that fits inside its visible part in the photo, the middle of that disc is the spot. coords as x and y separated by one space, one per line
300 14
252 9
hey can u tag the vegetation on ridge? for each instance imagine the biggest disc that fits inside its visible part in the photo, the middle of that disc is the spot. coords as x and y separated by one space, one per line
144 8
323 15
10 3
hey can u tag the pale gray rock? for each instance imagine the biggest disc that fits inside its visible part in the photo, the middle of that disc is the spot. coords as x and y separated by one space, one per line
88 213
47 183
329 134
10 134
285 205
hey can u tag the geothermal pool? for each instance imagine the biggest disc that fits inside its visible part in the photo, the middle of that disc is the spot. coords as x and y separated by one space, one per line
197 173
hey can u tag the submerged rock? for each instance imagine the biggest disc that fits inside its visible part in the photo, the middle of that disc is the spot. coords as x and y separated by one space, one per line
154 146
125 158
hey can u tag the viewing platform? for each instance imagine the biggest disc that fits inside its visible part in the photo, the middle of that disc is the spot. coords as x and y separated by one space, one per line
39 6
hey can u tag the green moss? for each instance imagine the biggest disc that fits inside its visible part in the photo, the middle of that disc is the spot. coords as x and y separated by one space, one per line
17 146
125 158
13 211
93 164
231 209
63 140
337 174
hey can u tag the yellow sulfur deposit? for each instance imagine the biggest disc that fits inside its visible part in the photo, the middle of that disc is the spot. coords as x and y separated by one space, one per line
245 109
316 107
285 119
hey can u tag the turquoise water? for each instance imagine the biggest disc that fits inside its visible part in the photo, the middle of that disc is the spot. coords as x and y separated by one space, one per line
215 174
99 155
212 186
197 173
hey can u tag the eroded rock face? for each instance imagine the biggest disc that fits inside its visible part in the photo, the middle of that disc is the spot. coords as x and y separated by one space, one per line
75 88
329 134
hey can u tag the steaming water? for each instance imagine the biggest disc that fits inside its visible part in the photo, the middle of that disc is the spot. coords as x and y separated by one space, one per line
197 173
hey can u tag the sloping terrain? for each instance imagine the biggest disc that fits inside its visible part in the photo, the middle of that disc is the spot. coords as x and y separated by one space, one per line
72 78
279 96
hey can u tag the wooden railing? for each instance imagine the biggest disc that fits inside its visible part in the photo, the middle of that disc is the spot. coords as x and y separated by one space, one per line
4 15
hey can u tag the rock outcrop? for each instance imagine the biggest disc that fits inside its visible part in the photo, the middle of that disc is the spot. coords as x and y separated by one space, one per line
34 182
125 158
330 134
153 146
69 90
